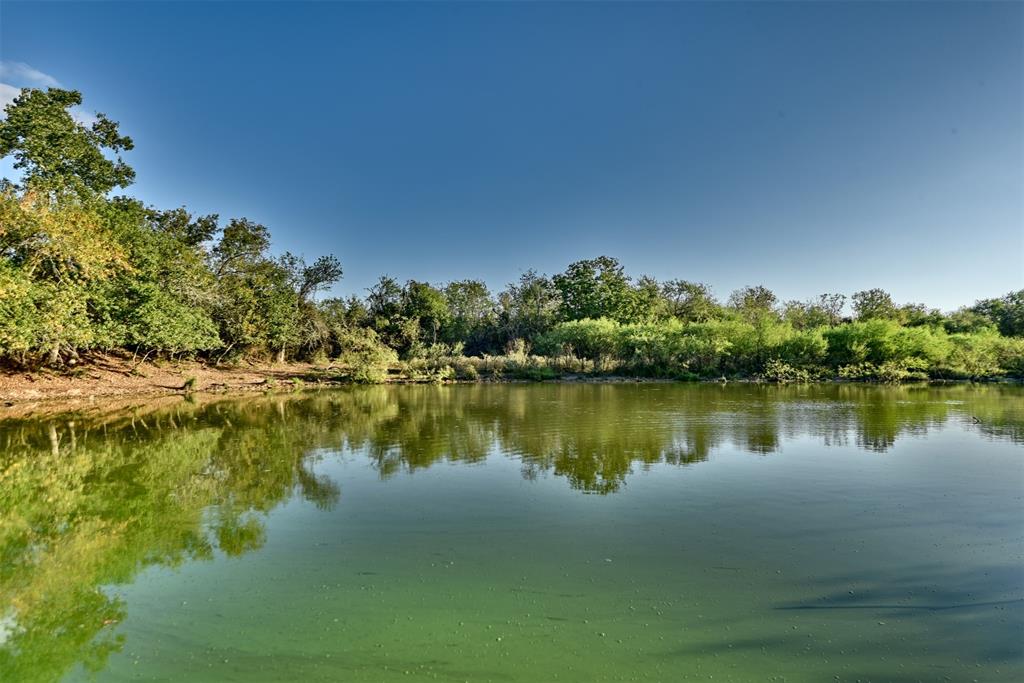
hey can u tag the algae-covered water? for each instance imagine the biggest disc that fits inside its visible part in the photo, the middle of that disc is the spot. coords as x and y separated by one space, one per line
651 532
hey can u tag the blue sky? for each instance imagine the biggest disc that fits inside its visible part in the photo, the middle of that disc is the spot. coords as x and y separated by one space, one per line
810 147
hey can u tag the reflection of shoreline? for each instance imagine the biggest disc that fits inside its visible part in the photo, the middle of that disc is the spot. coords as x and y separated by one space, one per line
92 503
90 498
588 432
99 405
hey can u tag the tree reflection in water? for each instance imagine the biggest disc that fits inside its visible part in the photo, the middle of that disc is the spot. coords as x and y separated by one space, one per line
88 501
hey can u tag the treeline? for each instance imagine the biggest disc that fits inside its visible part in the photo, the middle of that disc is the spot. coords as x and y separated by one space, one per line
81 271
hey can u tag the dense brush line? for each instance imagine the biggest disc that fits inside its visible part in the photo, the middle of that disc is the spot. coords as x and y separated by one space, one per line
81 270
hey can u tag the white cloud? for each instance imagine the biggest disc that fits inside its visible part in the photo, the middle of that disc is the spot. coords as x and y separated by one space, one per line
83 117
17 75
20 72
7 95
20 75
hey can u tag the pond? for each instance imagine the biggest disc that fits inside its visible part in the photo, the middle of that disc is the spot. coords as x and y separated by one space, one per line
549 532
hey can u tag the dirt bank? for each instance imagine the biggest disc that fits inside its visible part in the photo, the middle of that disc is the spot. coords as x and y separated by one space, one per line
112 376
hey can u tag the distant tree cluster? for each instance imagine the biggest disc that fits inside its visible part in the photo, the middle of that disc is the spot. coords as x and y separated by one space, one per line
82 271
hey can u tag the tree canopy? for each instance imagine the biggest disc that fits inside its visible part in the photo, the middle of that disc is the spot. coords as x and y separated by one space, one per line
81 271
51 147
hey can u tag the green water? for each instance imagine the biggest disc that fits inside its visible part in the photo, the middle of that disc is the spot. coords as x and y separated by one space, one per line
648 532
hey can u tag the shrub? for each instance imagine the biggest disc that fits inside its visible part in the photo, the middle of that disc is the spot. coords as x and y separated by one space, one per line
593 339
365 359
781 372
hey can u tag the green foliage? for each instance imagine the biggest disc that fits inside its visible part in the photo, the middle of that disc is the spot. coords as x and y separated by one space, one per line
968 320
528 308
19 311
689 301
592 339
471 315
81 271
427 305
826 310
874 304
385 305
56 253
890 371
782 372
364 359
1006 313
1010 356
881 350
52 149
595 288
753 303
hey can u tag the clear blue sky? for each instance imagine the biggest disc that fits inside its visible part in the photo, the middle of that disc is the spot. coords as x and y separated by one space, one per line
807 146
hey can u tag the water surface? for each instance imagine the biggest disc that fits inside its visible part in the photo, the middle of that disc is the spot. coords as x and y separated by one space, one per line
520 533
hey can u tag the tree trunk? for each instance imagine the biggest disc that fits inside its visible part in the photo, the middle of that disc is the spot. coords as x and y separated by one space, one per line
55 354
54 441
280 355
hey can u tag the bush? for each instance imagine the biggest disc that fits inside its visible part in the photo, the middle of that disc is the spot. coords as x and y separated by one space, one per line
891 371
781 372
596 340
365 359
1010 356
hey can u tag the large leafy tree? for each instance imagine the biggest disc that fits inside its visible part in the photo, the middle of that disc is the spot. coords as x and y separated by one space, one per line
648 304
595 288
258 303
1006 313
528 307
387 314
753 303
826 310
689 301
427 304
164 303
471 314
874 304
54 252
51 148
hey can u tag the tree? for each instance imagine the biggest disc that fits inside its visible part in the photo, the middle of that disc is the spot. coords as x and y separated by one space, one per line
915 315
595 288
472 316
257 302
343 319
753 302
967 321
387 318
56 250
425 303
241 244
824 311
179 224
689 301
324 272
55 150
385 298
648 303
1006 313
529 307
874 304
832 306
164 301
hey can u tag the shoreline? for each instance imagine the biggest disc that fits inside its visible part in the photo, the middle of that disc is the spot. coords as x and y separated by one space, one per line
115 380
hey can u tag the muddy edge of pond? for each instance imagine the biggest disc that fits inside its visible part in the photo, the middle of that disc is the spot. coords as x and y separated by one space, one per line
113 382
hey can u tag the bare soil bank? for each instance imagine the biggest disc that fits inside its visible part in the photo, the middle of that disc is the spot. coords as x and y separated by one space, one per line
111 381
108 376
